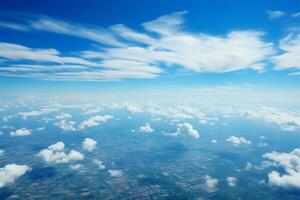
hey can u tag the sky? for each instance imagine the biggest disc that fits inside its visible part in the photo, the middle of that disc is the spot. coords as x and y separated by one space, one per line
151 46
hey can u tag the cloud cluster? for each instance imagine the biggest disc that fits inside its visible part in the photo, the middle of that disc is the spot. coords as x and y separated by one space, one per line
210 184
55 154
185 129
20 132
10 173
290 162
231 181
236 141
89 144
287 121
127 53
100 164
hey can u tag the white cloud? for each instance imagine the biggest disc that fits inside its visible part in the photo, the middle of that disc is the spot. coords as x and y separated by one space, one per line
146 129
210 184
94 121
20 132
1 152
11 172
115 173
290 162
236 141
66 125
139 54
76 167
287 121
63 116
100 165
55 154
185 129
289 58
89 144
275 14
214 141
231 181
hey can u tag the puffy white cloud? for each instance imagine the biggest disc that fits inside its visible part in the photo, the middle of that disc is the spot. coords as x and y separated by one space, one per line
20 132
236 141
231 181
94 121
11 172
66 125
214 141
275 14
76 167
100 165
210 184
89 144
115 173
290 162
185 129
287 121
55 154
146 129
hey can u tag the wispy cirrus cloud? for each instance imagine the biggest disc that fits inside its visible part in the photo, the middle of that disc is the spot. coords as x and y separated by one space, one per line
162 44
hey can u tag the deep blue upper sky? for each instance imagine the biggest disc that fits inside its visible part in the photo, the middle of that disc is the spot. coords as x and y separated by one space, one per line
196 43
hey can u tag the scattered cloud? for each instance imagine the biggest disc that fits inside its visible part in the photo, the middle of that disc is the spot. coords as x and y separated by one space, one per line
100 165
290 162
10 173
115 173
1 152
89 144
146 128
231 181
275 14
55 154
297 14
210 184
94 121
20 132
66 125
236 141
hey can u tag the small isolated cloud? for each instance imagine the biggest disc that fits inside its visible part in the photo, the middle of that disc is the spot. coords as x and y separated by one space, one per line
210 184
115 173
297 14
236 141
94 121
214 141
55 154
20 132
290 163
185 129
100 164
146 128
89 144
76 167
1 152
63 116
10 173
231 181
275 14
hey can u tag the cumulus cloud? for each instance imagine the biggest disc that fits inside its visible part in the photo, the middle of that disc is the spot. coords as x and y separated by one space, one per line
231 181
55 154
20 132
11 172
100 165
236 141
275 14
210 184
287 121
94 121
146 128
89 144
127 53
66 125
185 129
63 116
290 163
115 173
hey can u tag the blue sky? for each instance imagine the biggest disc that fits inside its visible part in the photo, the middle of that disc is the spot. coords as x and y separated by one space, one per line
60 46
